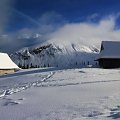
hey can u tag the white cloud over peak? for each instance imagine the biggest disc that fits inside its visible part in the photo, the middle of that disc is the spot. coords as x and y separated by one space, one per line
88 33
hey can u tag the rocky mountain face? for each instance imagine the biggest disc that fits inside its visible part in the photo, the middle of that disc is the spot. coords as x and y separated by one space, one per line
56 55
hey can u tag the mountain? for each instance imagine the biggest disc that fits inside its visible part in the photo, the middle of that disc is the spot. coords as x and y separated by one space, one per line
56 54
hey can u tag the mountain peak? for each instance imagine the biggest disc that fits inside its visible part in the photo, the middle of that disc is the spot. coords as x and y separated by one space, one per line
55 55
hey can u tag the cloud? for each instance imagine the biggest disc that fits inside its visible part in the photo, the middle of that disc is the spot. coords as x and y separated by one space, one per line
50 21
46 23
5 11
93 17
87 32
26 17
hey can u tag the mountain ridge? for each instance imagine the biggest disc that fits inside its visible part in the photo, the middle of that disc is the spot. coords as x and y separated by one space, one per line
51 53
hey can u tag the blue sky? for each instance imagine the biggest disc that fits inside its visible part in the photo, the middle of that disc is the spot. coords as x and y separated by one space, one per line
90 20
26 12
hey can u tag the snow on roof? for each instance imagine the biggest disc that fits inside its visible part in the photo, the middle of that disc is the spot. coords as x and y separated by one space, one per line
6 62
110 49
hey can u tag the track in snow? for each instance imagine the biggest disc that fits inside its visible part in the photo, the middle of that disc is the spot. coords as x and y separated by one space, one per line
23 86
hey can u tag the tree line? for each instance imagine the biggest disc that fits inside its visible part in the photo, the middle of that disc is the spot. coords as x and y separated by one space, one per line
28 66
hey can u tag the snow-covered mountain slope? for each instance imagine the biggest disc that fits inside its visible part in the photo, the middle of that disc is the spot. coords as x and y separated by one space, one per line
55 54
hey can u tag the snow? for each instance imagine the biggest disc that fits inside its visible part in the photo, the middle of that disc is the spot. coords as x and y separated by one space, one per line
111 49
60 94
6 62
57 55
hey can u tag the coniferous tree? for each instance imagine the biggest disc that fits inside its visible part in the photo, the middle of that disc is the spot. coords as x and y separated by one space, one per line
19 65
31 66
44 65
27 66
48 65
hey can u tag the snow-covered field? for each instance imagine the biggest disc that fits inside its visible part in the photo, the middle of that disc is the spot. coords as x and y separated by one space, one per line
52 94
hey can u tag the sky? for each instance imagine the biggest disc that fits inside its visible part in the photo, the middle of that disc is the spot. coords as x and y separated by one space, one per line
48 17
31 13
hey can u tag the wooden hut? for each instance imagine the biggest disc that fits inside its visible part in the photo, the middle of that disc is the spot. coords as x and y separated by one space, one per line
6 64
109 56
